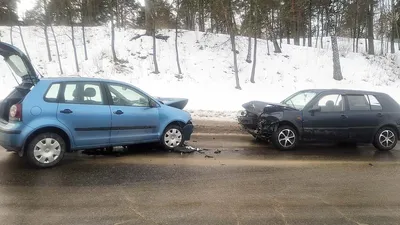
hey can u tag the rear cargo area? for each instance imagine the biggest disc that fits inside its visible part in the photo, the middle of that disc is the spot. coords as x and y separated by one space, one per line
16 96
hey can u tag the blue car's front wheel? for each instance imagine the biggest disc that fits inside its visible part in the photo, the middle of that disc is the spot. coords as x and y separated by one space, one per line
172 137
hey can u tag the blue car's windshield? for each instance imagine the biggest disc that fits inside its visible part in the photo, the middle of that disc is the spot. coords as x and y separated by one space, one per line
300 99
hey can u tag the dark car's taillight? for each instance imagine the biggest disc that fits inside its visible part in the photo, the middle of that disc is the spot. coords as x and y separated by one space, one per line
16 112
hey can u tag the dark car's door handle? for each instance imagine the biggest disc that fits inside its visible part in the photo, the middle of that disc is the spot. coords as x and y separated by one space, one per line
118 112
343 117
66 111
379 114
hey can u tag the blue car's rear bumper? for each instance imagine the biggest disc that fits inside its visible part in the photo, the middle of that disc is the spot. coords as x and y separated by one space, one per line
12 135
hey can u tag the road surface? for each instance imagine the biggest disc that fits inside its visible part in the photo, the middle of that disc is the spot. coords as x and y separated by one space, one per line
230 180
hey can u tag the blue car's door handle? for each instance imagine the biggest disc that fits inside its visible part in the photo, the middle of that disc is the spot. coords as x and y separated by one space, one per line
66 111
118 112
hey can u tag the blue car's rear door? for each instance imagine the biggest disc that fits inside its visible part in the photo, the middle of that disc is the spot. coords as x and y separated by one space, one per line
84 110
133 118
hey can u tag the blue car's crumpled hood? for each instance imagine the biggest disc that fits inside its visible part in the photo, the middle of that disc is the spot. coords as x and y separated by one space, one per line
179 103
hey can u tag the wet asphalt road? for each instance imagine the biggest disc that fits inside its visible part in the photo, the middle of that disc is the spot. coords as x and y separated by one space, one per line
245 183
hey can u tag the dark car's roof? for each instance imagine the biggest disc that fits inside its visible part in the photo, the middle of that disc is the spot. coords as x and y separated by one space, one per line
345 91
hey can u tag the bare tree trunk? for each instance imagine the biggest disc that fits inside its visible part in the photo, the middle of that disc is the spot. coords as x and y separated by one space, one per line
253 70
248 59
370 22
392 32
74 46
114 55
381 28
322 28
23 41
149 20
83 21
232 30
357 38
287 33
255 32
268 51
84 41
310 24
46 35
176 37
295 14
58 52
156 71
280 29
316 40
337 71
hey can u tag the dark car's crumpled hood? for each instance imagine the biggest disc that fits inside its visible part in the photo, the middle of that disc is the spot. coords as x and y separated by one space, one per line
257 107
179 103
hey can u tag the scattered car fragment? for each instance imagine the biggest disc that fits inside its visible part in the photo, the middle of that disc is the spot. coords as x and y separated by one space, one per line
322 115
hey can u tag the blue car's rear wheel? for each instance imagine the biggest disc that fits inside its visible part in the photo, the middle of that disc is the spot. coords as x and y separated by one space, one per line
45 150
172 137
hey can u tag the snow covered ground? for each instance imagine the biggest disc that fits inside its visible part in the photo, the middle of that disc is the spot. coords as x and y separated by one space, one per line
208 78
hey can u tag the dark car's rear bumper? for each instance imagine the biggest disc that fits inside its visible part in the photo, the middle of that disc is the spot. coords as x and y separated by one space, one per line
188 131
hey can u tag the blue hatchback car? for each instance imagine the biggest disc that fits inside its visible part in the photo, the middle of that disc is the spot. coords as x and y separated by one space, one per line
43 118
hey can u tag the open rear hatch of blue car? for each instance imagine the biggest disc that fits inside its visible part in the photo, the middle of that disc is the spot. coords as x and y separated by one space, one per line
22 69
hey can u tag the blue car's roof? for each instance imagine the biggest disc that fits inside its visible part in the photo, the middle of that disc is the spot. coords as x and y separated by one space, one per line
81 79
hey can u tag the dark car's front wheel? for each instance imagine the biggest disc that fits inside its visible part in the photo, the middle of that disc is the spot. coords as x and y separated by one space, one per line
285 138
45 150
172 137
385 139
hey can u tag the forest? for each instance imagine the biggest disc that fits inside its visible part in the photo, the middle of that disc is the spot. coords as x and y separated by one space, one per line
295 22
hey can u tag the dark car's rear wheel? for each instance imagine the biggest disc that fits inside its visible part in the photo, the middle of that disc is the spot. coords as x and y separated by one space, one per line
285 138
385 139
172 137
45 150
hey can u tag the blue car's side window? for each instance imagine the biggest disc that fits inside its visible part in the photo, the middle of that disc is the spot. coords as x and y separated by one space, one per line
52 94
127 96
83 93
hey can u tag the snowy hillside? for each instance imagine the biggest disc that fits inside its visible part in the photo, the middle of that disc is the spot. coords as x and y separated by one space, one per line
208 80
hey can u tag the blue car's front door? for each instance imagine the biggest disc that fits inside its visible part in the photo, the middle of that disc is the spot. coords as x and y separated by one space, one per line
134 120
83 109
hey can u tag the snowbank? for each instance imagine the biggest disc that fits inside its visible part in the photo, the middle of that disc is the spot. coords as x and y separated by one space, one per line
208 79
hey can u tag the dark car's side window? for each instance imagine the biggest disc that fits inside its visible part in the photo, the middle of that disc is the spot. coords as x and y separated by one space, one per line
358 103
375 104
331 103
126 96
83 93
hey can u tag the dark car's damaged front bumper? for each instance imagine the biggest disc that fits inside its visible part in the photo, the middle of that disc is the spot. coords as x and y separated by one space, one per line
257 126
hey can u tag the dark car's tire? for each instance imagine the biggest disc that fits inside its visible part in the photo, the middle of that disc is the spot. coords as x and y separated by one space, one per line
385 139
45 150
172 137
285 138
